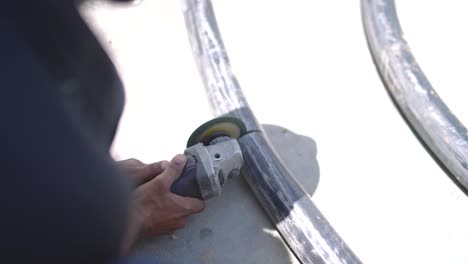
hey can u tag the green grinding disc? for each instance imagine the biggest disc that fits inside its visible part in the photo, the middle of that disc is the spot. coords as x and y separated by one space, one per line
218 127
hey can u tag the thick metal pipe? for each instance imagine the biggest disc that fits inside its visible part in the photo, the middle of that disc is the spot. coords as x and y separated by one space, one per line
307 233
419 103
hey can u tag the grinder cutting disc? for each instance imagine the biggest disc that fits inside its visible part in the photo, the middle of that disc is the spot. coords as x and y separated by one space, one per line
218 127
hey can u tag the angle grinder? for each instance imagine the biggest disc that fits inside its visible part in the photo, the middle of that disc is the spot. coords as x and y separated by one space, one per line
213 156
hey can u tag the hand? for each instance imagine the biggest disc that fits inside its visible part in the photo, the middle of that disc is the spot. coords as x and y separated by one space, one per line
139 172
156 210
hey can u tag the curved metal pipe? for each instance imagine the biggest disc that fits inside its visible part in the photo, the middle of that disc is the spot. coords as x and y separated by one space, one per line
300 223
419 103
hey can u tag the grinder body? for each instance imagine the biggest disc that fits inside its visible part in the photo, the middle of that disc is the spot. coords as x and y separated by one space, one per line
210 163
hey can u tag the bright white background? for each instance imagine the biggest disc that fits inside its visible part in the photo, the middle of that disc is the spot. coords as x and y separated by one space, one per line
305 65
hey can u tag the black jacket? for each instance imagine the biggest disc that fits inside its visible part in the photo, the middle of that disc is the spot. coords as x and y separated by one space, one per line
62 199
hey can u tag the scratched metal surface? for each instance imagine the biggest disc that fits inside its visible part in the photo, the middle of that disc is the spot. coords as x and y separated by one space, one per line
433 121
306 231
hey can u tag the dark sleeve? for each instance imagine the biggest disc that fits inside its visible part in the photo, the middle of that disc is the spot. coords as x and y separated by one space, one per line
62 201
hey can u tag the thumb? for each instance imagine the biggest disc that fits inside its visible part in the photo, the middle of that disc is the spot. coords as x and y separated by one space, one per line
173 170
